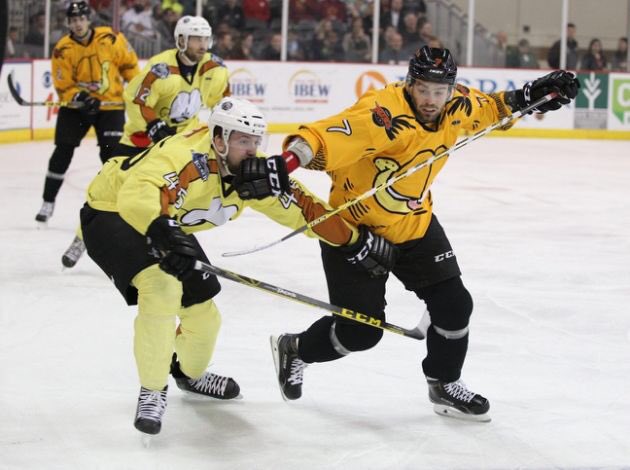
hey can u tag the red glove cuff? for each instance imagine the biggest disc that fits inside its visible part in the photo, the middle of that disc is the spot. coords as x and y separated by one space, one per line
291 160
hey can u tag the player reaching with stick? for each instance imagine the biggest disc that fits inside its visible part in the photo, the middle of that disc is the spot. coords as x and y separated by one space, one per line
385 132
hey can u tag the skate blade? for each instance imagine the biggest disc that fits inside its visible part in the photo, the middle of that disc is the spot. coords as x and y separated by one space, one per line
193 396
41 225
273 341
450 412
146 440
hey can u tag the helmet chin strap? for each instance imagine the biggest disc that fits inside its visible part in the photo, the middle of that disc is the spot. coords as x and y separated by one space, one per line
223 155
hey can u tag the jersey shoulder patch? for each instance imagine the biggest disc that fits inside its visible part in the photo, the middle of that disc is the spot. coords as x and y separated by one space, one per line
160 70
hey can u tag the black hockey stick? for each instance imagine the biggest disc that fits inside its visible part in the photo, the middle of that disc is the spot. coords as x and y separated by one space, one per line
70 104
362 318
506 120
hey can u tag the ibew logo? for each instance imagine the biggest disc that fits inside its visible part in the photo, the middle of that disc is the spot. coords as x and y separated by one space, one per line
621 100
306 87
244 84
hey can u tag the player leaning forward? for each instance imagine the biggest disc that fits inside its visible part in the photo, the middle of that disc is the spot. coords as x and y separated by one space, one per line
89 66
166 97
383 134
189 182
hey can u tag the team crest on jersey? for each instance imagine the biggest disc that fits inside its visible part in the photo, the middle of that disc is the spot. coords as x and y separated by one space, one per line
200 160
461 102
382 117
160 70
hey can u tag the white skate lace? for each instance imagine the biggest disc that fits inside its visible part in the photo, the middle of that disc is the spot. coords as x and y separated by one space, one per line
152 404
75 250
296 377
211 384
47 209
459 391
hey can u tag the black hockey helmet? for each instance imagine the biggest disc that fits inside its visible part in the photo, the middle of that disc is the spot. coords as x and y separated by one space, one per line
432 65
78 9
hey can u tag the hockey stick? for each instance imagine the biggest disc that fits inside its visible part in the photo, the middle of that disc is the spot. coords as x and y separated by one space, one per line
70 104
362 318
391 181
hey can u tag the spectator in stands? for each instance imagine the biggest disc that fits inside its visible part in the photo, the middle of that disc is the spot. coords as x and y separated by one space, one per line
273 49
499 55
101 12
357 45
257 13
244 50
434 42
553 56
304 10
394 54
231 13
393 17
521 56
594 59
137 20
12 41
409 28
417 6
224 45
174 5
166 28
37 29
620 56
425 34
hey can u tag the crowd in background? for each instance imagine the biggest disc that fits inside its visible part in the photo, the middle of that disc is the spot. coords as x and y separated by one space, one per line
319 30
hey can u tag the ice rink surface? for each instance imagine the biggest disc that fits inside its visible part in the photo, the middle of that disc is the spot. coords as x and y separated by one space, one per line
541 229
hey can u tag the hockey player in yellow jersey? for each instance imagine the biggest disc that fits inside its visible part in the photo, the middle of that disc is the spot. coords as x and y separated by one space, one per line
383 134
89 66
167 96
193 181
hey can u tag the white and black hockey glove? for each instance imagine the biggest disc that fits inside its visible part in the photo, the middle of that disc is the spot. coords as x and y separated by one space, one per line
371 252
86 103
561 82
258 178
177 251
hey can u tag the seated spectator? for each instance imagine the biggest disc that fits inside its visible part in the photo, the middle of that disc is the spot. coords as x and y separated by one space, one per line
425 33
334 10
620 56
394 54
393 17
434 42
244 49
594 59
356 44
12 40
521 56
224 45
409 28
37 30
304 10
232 14
137 20
174 5
500 52
417 6
273 49
166 28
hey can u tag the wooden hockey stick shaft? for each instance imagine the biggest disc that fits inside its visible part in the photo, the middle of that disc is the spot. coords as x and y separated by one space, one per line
358 317
70 104
507 119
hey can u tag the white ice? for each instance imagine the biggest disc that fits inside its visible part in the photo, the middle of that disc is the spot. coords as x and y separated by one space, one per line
541 229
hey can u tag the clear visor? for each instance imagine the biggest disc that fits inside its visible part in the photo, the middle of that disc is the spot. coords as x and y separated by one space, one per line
241 141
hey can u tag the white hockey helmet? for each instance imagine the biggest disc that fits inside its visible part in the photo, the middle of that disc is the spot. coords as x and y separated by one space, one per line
236 114
191 26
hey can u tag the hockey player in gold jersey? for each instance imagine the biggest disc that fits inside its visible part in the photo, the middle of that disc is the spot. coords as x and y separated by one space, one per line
166 97
193 181
383 134
89 66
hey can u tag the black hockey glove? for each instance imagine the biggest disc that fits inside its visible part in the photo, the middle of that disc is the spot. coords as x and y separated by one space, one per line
86 103
258 178
178 251
372 252
158 130
559 81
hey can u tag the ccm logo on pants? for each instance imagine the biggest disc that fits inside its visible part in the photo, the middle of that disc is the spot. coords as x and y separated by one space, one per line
443 256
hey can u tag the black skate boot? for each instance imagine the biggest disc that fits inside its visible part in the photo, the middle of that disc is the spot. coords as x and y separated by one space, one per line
209 385
151 408
455 400
289 367
73 253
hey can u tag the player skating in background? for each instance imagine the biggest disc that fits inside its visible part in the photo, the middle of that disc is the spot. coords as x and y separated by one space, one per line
383 134
89 65
166 97
139 217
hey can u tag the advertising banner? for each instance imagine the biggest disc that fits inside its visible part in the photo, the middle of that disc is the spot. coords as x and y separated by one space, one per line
619 98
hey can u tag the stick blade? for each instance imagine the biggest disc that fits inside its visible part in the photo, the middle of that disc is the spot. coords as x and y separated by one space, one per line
13 90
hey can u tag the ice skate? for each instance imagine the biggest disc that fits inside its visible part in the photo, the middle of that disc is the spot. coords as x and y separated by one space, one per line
289 367
45 212
151 408
454 400
209 384
73 253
